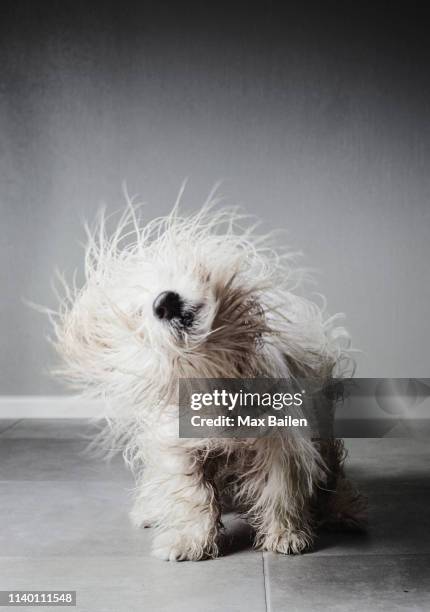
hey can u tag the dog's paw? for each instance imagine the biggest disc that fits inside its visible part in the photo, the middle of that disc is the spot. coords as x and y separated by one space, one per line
288 543
175 545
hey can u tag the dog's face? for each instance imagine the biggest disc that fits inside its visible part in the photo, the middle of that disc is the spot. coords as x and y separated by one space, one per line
173 299
184 299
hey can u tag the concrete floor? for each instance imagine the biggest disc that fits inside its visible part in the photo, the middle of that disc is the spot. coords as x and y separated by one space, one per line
64 525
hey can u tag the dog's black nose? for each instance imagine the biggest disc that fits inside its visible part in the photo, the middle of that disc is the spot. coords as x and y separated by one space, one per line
168 305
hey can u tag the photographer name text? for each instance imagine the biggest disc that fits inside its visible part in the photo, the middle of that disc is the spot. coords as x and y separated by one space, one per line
269 420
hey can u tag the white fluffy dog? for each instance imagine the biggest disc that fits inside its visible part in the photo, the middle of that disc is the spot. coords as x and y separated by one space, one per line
202 297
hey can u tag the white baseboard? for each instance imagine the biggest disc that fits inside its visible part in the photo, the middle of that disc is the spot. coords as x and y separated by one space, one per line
48 407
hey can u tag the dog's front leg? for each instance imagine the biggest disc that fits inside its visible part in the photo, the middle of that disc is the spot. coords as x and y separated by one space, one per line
278 489
184 504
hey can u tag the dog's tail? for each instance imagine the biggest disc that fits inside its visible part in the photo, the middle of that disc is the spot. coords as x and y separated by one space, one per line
338 504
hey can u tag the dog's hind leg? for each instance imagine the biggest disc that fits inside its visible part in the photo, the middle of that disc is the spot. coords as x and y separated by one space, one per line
338 505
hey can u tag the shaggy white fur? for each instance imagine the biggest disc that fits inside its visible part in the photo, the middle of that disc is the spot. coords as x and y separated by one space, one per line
241 316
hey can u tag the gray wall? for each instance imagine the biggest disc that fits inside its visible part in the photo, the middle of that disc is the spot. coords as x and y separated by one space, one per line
317 117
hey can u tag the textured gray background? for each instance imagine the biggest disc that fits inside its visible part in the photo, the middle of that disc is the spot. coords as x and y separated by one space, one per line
317 117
